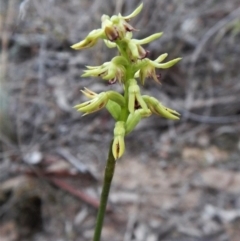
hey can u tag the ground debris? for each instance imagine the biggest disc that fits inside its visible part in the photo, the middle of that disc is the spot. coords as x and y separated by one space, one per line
177 182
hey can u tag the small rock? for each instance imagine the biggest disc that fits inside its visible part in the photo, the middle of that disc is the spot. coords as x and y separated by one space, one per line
123 197
80 217
141 232
33 158
191 25
226 216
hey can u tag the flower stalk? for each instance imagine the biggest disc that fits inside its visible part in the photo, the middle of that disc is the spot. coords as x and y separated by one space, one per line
108 176
130 68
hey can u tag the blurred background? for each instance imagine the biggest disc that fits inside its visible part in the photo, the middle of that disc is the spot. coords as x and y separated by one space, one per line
178 181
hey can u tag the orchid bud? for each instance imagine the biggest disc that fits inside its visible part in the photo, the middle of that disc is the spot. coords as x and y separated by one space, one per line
118 146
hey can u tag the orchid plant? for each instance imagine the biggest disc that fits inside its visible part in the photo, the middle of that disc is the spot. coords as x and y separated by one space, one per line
130 68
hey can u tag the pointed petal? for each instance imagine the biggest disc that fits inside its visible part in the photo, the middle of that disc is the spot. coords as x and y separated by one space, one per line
149 39
88 93
135 12
161 58
167 64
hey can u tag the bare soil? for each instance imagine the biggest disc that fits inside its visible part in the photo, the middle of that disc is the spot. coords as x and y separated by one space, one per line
178 181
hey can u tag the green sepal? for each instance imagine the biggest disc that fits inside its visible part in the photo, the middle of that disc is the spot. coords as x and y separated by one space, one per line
134 95
119 60
90 40
157 108
94 71
93 105
134 118
116 97
133 49
88 93
110 44
114 109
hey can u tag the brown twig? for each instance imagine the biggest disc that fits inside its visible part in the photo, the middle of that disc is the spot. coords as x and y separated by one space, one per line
81 195
65 186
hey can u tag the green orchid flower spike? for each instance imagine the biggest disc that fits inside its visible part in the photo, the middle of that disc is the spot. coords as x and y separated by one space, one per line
131 64
130 68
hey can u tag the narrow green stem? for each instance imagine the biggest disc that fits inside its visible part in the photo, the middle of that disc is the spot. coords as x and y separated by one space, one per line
108 175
